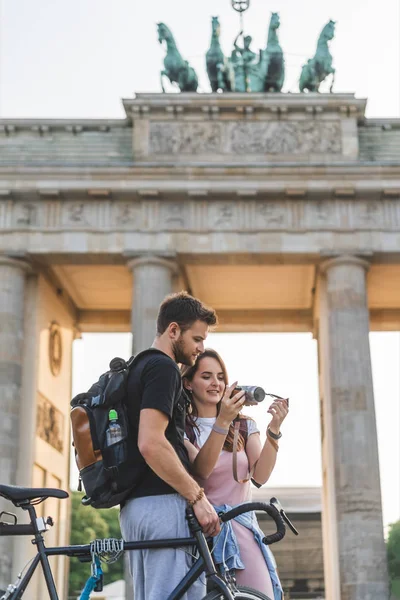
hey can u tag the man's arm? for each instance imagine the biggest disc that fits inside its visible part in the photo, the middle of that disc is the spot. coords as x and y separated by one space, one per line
161 457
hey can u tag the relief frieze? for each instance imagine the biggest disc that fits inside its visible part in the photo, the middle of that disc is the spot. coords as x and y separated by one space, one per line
231 214
285 137
185 138
249 138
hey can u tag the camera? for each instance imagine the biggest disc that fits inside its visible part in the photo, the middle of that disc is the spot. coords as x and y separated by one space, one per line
253 394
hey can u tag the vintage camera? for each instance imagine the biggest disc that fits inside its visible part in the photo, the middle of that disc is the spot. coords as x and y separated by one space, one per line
253 394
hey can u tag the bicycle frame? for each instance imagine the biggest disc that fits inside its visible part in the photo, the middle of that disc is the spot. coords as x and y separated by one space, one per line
203 564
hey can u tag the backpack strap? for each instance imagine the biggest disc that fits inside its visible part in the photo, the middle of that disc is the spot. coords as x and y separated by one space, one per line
190 433
240 428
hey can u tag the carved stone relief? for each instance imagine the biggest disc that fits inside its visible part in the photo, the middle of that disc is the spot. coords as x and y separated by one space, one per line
320 215
185 138
173 215
25 214
250 138
285 137
229 215
222 216
50 423
75 213
55 348
127 215
271 214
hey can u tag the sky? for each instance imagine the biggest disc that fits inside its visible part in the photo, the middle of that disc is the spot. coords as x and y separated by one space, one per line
78 58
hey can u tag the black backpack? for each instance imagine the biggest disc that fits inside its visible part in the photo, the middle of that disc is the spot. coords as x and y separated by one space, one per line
108 473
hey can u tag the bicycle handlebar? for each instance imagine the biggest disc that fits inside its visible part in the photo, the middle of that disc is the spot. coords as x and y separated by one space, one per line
268 508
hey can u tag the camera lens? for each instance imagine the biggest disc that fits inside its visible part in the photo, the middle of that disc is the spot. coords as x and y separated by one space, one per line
258 394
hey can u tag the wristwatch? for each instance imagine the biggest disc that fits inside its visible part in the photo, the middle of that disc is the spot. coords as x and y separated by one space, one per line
274 436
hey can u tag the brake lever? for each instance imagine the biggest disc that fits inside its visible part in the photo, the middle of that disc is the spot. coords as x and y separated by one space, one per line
275 502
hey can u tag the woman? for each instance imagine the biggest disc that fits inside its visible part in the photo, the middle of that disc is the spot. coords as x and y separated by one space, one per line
210 428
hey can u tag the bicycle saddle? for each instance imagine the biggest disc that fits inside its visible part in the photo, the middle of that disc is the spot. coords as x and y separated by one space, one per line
22 494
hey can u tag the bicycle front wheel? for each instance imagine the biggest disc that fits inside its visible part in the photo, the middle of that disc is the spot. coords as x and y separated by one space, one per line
242 593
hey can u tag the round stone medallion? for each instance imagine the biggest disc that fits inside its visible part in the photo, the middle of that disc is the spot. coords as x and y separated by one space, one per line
55 348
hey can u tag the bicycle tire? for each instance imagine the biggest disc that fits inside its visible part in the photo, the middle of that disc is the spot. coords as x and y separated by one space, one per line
243 593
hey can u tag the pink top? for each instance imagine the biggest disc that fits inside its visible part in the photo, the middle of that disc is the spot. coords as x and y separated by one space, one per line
221 488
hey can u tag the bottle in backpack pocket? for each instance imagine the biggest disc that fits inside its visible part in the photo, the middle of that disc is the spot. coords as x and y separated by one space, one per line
114 431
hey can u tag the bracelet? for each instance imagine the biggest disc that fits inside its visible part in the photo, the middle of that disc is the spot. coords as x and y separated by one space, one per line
275 436
273 444
220 430
199 496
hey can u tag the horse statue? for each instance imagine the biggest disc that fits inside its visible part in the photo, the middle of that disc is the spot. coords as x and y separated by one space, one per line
245 70
216 64
319 67
276 63
176 68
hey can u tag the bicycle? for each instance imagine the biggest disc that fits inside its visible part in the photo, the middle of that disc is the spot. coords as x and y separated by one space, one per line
223 587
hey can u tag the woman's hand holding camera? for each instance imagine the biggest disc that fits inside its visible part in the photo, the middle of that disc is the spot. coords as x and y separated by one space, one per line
279 410
231 405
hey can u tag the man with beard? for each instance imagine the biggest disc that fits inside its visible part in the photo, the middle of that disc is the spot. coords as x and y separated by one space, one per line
157 409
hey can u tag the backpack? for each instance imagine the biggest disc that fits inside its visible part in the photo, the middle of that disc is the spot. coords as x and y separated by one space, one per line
108 473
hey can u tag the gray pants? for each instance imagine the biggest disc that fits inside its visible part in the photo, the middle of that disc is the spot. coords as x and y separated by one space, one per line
156 572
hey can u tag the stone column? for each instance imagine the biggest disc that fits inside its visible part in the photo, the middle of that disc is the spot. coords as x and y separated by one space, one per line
12 292
152 281
354 549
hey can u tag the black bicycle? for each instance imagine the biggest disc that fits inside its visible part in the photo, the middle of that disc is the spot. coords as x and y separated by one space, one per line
223 586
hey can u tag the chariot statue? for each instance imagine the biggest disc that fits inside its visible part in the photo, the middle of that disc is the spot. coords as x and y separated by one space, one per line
245 70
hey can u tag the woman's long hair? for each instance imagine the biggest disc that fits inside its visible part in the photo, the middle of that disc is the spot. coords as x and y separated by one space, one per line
187 374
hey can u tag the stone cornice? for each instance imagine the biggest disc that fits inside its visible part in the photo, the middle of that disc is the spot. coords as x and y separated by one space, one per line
339 180
235 103
43 126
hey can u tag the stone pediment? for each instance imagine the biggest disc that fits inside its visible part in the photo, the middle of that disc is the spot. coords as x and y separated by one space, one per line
245 128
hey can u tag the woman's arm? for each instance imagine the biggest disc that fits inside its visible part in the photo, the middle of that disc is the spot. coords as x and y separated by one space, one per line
264 458
205 459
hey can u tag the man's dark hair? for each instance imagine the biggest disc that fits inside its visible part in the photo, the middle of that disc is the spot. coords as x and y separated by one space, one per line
183 309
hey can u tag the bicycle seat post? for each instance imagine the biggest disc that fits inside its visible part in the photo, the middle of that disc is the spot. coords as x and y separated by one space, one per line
39 526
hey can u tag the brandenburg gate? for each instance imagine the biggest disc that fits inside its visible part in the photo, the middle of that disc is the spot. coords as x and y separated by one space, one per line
280 211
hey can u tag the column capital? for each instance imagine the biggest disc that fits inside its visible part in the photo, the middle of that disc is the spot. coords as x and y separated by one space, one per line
343 259
15 262
152 259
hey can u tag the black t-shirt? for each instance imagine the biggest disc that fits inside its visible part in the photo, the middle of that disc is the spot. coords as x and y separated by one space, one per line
155 382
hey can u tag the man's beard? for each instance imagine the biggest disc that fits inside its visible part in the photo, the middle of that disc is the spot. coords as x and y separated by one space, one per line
181 355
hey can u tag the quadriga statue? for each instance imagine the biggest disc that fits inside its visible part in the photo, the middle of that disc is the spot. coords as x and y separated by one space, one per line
176 68
244 70
320 66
